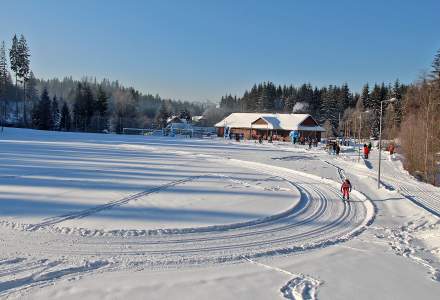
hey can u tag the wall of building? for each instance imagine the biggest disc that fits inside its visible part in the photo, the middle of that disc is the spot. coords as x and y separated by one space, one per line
277 135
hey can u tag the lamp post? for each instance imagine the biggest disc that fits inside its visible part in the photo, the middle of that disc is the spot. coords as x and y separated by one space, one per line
380 138
360 130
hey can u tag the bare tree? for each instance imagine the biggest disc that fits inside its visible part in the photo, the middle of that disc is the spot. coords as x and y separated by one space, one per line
420 130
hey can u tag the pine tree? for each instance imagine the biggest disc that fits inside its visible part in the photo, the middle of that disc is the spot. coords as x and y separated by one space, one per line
65 119
15 66
101 106
42 116
378 94
89 101
78 107
3 69
84 106
329 106
4 75
365 97
101 102
374 107
346 97
23 69
31 91
55 114
263 99
316 102
397 93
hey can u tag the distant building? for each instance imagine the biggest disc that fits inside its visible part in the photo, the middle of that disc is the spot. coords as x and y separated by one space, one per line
277 126
199 121
176 119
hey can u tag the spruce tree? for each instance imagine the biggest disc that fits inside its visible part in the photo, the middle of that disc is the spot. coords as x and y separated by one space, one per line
263 99
55 114
15 66
4 75
84 106
65 119
31 91
14 57
23 69
365 97
101 101
42 115
329 106
89 101
3 69
101 107
78 107
397 93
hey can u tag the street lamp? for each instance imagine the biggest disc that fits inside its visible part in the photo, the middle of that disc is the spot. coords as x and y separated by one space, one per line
360 129
380 138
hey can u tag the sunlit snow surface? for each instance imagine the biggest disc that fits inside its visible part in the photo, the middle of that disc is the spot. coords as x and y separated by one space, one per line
165 218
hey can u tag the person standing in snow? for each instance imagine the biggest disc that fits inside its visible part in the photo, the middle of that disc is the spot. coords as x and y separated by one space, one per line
346 189
366 151
338 149
391 149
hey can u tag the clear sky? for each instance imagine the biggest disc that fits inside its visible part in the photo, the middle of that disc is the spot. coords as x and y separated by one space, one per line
198 50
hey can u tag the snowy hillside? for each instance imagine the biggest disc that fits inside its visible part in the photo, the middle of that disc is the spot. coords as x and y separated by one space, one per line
96 216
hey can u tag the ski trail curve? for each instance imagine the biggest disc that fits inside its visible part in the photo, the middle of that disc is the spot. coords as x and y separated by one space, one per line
318 220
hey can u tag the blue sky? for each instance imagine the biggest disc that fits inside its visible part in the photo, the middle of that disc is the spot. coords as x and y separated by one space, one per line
198 50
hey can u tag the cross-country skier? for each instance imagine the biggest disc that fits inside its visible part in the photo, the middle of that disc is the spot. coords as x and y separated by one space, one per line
346 189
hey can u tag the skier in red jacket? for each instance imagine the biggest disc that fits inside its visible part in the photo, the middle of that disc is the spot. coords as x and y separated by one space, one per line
346 189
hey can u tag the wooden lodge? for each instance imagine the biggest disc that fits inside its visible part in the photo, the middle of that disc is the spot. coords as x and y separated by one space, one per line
277 126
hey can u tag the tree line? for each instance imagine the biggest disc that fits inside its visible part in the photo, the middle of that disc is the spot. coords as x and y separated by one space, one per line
419 132
78 105
332 105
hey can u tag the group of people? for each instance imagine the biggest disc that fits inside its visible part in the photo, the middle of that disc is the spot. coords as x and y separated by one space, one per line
333 148
311 141
238 136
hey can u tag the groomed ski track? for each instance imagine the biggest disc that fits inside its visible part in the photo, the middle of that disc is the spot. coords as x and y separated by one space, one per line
319 219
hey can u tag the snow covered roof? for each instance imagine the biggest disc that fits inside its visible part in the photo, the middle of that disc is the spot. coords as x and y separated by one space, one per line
179 126
176 119
273 121
197 118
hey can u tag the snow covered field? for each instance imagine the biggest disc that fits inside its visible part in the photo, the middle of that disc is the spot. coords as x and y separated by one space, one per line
97 216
